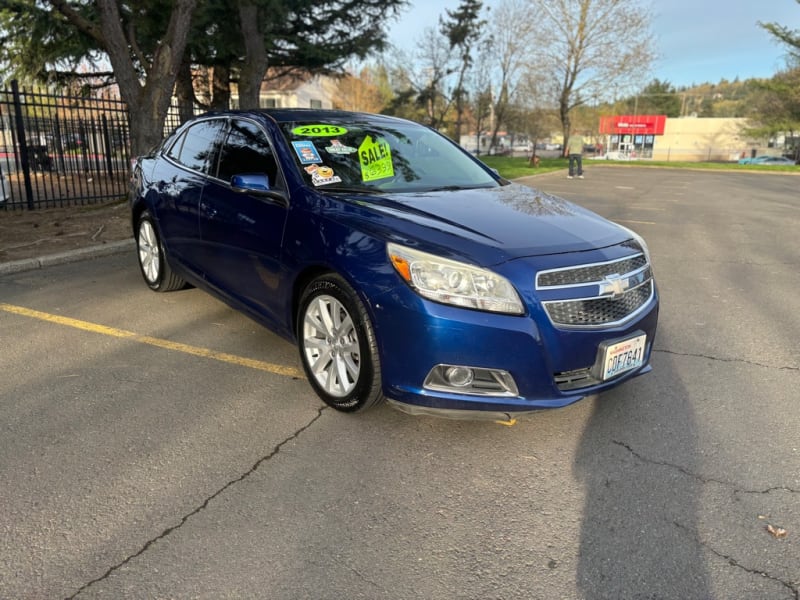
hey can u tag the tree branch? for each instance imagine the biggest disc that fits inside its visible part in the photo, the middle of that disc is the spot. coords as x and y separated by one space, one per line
86 26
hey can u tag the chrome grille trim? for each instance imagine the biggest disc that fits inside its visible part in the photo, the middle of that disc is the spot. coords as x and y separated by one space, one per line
600 311
589 273
624 288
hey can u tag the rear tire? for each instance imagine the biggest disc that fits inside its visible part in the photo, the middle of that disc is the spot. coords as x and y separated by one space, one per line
152 259
337 345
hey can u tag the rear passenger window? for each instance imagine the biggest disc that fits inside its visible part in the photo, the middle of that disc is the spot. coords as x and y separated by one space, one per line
198 148
247 150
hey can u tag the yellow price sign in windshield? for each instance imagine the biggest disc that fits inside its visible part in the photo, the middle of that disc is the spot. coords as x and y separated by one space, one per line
375 157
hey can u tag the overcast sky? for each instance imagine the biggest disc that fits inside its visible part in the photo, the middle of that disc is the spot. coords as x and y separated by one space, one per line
696 41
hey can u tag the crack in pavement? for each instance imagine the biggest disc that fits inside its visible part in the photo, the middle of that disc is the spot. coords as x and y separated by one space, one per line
793 586
704 479
728 360
169 530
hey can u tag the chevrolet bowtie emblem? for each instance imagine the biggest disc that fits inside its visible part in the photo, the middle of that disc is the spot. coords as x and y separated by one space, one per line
614 285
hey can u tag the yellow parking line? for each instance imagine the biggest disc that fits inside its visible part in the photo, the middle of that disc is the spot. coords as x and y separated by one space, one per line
152 341
637 222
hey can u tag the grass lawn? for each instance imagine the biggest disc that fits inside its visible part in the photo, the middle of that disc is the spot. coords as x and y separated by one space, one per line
513 167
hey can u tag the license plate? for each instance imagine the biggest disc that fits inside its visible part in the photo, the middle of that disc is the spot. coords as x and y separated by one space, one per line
623 356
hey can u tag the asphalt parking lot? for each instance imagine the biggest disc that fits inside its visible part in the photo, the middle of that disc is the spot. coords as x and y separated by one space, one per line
163 446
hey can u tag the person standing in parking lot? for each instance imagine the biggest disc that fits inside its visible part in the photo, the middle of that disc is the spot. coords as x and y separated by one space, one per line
575 154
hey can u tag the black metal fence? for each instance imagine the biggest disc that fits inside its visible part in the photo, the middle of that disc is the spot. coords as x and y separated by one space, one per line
61 150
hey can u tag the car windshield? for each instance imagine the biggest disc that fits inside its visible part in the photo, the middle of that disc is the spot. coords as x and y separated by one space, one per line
356 156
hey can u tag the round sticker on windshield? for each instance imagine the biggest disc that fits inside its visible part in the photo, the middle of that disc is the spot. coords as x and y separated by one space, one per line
319 130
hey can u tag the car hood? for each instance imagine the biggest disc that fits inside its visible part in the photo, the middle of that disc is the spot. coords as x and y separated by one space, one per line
491 225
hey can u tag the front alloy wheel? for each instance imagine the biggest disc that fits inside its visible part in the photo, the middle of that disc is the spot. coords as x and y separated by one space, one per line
337 345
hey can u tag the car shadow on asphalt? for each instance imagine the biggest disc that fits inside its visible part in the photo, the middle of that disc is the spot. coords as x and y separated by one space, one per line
636 459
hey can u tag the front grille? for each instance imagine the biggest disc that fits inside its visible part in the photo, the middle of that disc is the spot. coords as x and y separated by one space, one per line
589 273
624 286
599 311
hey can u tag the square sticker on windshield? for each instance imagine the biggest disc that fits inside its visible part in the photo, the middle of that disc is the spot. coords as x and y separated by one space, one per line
306 152
322 175
375 157
338 147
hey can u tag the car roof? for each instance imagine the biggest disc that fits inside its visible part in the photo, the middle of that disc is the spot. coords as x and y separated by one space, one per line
288 115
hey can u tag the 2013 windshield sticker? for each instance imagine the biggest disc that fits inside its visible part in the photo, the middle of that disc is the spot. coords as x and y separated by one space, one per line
306 152
375 157
319 130
338 147
322 175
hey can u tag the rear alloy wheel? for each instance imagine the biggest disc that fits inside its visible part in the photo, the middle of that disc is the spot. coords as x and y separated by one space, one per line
337 345
152 260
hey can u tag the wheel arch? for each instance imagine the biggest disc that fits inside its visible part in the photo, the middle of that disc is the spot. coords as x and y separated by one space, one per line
301 282
137 208
312 272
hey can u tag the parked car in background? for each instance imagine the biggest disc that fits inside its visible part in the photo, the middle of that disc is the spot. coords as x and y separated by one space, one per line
4 191
402 267
521 148
766 160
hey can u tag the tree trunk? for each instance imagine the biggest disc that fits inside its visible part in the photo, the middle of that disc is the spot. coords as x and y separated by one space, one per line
255 62
460 102
499 113
148 101
147 129
184 91
563 114
220 88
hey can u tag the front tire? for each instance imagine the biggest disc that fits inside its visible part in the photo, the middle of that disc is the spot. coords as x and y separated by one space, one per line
152 259
337 345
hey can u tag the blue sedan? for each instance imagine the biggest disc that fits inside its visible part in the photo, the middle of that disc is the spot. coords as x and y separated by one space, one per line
402 267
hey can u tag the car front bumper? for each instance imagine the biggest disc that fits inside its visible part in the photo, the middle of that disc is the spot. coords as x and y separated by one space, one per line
416 335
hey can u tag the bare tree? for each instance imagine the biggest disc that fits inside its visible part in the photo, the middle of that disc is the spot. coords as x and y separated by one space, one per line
532 114
511 45
365 91
585 45
434 66
479 87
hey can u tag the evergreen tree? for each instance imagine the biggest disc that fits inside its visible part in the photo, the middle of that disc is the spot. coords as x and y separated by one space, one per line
146 44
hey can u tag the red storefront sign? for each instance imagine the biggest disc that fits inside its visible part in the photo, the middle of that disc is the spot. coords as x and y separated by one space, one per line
638 124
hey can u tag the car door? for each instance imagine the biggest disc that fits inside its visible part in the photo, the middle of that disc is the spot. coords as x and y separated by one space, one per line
182 177
241 234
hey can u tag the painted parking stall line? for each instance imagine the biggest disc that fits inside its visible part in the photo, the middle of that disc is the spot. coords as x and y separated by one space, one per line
153 341
636 222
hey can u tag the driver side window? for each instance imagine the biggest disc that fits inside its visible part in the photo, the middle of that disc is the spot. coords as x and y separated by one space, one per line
247 150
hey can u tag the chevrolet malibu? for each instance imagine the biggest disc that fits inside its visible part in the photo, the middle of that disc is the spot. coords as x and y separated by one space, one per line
402 267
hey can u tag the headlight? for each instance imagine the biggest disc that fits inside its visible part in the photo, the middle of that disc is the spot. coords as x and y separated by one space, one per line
452 282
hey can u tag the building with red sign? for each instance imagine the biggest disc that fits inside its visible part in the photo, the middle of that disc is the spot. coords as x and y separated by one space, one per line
632 134
685 138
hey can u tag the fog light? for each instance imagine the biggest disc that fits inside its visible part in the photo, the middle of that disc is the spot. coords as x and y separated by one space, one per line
459 376
476 381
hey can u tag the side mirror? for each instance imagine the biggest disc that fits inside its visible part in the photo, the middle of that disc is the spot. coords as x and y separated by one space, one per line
256 184
249 183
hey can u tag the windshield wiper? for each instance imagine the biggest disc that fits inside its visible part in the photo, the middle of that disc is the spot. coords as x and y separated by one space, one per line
351 190
454 188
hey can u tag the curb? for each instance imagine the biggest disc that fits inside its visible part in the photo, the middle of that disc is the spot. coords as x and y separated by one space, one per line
29 264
